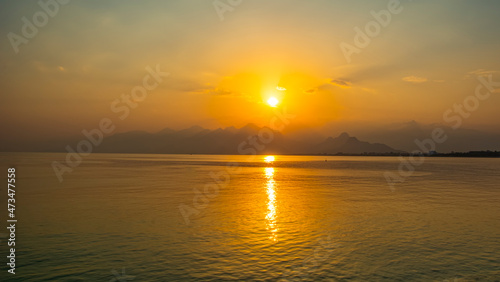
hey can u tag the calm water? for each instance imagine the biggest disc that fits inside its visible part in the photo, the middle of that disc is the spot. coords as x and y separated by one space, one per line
118 218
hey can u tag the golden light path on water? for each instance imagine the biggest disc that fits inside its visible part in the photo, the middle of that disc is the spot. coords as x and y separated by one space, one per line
271 200
269 159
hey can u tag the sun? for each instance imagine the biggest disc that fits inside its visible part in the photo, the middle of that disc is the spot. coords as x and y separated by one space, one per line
273 102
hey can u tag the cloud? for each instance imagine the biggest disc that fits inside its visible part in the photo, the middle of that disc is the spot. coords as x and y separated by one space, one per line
483 72
480 72
341 83
311 91
415 79
220 91
330 85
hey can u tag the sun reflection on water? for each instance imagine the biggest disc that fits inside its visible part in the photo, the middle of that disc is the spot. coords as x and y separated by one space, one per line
269 159
271 204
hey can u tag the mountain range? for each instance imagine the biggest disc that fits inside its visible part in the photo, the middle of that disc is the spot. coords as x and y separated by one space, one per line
403 136
393 139
231 140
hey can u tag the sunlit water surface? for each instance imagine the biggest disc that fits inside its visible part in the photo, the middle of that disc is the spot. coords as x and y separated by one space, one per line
226 218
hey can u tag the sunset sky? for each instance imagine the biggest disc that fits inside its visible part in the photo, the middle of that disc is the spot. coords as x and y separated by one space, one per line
223 70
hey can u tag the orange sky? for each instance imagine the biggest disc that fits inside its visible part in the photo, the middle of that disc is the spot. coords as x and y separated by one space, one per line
223 72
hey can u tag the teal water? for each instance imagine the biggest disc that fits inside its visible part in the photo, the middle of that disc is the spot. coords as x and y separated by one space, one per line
295 218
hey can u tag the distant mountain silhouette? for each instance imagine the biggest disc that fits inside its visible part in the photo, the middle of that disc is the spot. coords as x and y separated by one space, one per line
351 145
230 140
302 140
403 136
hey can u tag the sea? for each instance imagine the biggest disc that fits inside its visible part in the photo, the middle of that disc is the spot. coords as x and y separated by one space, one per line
134 217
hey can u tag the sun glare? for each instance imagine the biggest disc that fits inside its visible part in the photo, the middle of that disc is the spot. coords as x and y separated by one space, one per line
273 102
269 159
